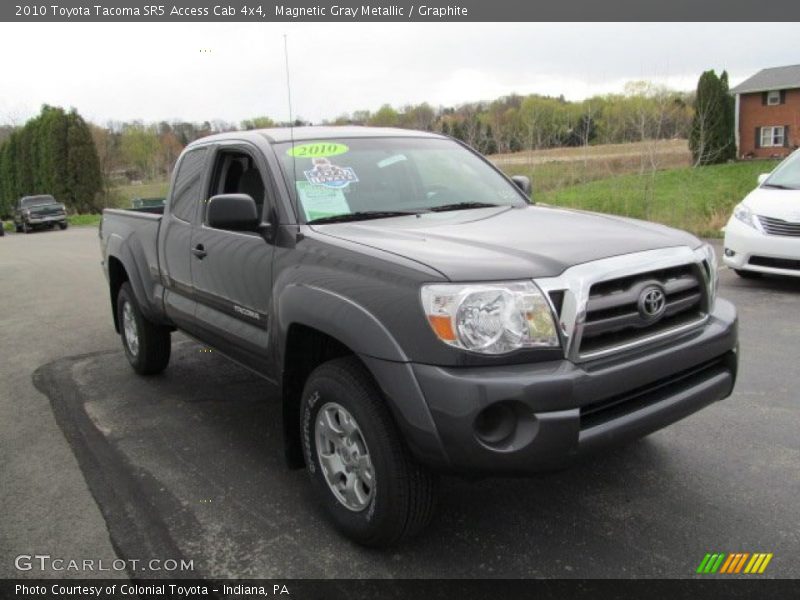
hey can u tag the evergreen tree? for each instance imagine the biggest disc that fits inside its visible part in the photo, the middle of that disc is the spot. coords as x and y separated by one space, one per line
7 176
711 138
55 154
83 167
729 125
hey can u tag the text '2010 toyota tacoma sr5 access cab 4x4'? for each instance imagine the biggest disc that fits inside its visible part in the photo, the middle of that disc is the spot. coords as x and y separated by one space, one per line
417 313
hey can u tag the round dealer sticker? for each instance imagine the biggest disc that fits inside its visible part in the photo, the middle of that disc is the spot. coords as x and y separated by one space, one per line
317 150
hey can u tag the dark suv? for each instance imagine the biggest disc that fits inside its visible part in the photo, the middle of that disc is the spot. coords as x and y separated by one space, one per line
39 211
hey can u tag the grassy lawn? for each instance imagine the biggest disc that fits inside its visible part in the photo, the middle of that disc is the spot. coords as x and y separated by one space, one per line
84 220
124 194
699 200
559 168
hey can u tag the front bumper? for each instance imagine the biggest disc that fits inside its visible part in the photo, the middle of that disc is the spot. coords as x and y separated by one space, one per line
543 416
747 242
46 220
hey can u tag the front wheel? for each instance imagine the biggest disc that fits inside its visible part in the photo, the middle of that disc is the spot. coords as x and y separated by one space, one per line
62 226
370 486
26 228
147 345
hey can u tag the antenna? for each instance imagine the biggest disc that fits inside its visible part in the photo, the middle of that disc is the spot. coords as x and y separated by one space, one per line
288 83
291 117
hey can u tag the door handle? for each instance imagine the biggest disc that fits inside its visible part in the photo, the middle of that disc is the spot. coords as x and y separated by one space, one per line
199 251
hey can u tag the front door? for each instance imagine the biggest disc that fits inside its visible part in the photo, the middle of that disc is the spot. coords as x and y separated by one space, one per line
232 270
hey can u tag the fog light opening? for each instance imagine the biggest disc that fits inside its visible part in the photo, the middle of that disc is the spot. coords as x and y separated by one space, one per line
729 252
496 424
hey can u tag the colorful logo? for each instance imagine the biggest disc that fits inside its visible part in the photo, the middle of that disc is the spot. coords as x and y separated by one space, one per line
330 175
735 563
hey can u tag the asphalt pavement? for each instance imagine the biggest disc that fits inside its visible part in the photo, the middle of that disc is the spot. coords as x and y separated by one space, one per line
98 462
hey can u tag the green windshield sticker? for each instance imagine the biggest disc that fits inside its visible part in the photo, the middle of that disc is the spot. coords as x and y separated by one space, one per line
317 150
319 201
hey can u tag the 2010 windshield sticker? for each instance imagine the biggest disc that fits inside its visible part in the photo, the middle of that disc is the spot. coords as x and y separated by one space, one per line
317 150
330 175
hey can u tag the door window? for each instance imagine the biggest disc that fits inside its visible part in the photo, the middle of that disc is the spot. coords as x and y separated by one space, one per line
235 172
188 184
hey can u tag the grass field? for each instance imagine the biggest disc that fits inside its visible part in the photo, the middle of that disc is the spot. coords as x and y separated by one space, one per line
84 220
124 194
699 200
558 168
647 180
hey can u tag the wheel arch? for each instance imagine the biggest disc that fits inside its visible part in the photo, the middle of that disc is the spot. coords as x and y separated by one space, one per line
117 275
318 325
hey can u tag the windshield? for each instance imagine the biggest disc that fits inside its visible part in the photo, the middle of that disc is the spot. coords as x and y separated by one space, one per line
37 201
382 176
786 175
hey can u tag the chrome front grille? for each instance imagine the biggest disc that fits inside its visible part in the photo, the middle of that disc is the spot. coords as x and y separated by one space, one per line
773 226
600 304
615 315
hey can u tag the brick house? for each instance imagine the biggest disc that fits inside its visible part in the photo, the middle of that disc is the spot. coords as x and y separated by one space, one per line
768 113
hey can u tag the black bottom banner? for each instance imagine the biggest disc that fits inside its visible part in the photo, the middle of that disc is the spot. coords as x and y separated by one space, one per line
411 589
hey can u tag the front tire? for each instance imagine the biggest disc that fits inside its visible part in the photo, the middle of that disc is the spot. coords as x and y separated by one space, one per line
147 345
62 226
26 228
368 483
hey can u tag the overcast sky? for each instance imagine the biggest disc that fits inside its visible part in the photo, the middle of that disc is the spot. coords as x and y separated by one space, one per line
155 72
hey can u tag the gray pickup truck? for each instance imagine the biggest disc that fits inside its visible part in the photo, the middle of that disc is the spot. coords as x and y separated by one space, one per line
416 312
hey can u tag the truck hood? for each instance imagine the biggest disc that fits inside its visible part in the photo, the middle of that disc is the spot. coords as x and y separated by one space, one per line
507 243
778 204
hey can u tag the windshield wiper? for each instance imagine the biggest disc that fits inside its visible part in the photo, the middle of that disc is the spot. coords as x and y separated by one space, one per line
463 206
361 216
778 186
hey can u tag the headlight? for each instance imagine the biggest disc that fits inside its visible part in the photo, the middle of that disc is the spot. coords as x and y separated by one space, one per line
709 257
745 215
490 318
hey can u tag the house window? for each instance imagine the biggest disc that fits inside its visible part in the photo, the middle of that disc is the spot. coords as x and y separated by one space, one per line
771 136
774 97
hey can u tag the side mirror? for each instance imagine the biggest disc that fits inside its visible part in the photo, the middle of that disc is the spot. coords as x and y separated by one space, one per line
523 183
234 212
763 177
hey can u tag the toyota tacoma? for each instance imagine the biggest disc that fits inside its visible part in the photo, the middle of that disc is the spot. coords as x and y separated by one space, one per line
416 311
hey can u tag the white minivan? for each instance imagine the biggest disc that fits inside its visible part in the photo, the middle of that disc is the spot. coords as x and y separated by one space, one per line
763 234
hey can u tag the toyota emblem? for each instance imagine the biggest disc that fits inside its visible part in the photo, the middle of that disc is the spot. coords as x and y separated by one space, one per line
652 302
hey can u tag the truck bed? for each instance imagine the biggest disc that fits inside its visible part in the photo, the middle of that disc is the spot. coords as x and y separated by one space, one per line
133 234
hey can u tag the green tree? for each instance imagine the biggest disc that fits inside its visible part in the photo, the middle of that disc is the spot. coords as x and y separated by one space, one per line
52 153
711 135
139 146
257 123
386 116
8 187
729 126
84 180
